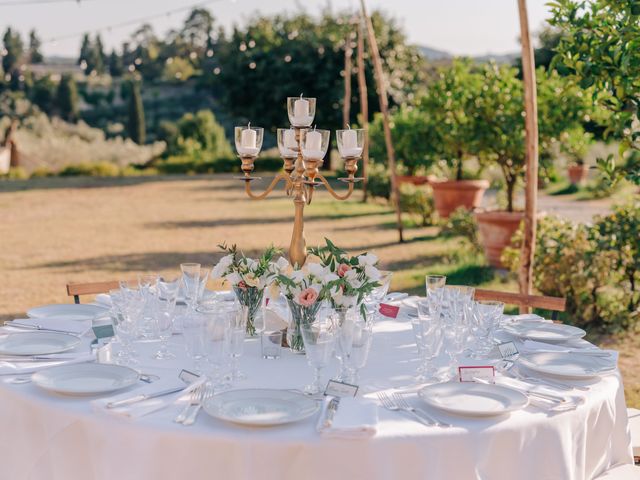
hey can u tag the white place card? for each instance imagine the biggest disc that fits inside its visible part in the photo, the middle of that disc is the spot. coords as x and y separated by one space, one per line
340 389
471 372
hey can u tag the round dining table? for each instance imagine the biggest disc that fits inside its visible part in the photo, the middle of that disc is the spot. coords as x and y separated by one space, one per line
48 436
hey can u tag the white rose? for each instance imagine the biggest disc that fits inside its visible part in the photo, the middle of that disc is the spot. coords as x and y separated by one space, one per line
222 266
372 273
251 280
316 270
367 259
282 264
330 277
234 278
297 276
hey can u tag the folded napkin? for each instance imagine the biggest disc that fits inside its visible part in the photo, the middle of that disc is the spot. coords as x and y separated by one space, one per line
54 323
24 367
145 407
571 402
354 418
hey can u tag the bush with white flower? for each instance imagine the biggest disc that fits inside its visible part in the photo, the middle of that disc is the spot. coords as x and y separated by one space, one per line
247 276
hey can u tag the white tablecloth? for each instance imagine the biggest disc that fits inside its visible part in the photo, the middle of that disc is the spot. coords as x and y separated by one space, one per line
48 437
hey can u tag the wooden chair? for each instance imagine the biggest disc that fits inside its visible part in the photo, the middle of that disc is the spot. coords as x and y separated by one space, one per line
555 304
76 289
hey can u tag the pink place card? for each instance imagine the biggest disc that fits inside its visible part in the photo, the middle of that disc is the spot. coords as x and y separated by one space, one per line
389 310
468 373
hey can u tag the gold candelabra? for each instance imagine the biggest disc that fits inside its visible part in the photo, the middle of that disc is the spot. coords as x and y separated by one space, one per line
302 150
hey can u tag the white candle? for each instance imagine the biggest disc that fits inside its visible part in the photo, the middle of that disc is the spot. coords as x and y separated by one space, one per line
313 141
349 139
290 139
248 139
301 108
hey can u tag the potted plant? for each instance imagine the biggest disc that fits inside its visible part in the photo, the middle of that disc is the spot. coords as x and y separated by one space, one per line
561 106
448 105
575 144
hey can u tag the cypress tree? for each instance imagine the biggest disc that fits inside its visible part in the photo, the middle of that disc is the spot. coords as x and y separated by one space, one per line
13 46
115 64
35 55
136 125
85 52
67 98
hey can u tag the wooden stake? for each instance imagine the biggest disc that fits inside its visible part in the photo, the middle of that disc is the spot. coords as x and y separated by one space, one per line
346 106
531 172
364 107
384 108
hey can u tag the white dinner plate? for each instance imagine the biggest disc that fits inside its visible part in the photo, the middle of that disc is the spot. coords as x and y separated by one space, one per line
473 399
544 331
75 311
37 343
85 378
567 365
260 407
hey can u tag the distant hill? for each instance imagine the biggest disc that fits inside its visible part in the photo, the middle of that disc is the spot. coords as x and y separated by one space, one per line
434 54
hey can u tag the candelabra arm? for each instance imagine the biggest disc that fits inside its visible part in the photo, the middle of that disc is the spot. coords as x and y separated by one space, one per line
333 193
272 185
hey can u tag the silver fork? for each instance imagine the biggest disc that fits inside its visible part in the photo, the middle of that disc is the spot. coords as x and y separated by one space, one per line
207 393
390 405
194 397
403 404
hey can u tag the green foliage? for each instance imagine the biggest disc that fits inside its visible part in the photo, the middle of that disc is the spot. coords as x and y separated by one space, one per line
178 70
35 55
185 164
116 68
99 169
136 126
67 98
14 49
462 223
413 139
594 266
575 143
197 136
43 94
601 49
417 201
285 55
378 182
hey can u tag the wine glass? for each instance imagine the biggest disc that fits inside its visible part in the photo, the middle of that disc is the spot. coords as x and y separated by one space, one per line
487 315
345 319
164 308
361 345
126 313
190 282
319 340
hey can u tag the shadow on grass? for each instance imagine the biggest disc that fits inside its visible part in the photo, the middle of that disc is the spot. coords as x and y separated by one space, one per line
566 190
471 275
138 262
53 183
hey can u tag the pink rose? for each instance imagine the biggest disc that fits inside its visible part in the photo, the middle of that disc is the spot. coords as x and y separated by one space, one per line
342 269
242 285
307 297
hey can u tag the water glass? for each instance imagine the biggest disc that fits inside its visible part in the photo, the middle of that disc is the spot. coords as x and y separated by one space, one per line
319 340
190 282
193 330
486 315
345 319
238 323
217 340
428 331
360 347
164 300
271 344
434 283
126 312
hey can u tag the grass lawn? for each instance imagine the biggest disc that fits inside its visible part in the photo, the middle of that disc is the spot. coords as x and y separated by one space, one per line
61 230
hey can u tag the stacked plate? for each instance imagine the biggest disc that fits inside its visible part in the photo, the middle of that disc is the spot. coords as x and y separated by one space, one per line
70 311
85 378
473 399
260 407
37 343
572 365
544 331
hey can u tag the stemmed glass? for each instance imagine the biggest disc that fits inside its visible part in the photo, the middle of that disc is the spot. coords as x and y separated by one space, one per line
191 282
126 312
345 319
373 300
319 340
434 284
164 307
238 323
361 344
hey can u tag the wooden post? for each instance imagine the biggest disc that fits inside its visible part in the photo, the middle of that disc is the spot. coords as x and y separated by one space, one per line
364 106
346 106
531 140
384 108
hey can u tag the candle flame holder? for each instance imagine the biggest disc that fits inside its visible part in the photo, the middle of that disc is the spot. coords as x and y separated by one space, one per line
302 157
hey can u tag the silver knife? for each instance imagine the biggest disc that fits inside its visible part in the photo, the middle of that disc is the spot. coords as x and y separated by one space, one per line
37 327
140 398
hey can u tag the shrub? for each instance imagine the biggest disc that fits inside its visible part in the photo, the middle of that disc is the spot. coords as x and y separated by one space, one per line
378 183
417 201
462 223
99 169
594 267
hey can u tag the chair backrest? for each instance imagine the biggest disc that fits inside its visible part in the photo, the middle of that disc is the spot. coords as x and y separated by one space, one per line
93 288
555 304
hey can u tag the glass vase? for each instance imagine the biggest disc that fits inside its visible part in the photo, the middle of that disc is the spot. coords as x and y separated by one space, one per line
251 298
299 315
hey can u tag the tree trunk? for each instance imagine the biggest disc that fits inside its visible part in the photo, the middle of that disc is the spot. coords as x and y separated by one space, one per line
531 139
364 107
511 185
459 167
384 108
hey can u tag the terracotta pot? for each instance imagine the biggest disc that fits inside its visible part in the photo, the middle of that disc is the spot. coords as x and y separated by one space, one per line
416 179
451 194
578 173
496 230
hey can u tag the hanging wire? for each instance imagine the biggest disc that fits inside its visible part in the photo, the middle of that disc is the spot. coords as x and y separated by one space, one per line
14 3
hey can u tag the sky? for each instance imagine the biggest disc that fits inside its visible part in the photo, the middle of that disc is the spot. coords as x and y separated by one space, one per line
461 27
